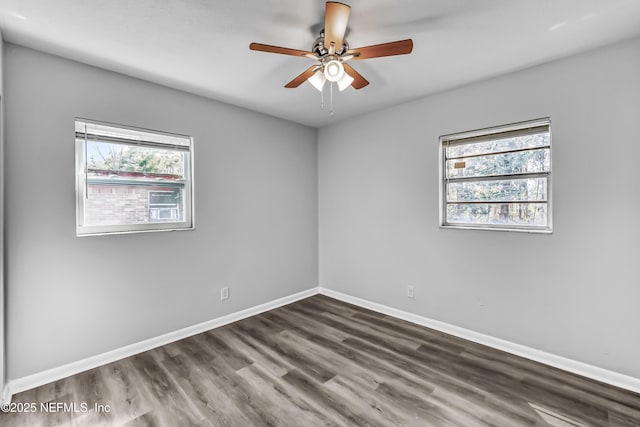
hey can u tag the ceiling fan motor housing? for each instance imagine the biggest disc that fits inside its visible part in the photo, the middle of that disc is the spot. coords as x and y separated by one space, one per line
319 49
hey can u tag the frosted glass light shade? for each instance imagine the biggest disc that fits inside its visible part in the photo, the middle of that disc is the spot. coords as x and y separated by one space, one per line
344 82
317 80
333 71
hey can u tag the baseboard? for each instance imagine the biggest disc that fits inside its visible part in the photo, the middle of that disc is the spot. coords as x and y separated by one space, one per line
54 374
599 374
6 395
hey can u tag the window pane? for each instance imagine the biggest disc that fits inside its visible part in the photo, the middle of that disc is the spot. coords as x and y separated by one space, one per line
500 164
114 202
498 145
110 157
504 190
525 214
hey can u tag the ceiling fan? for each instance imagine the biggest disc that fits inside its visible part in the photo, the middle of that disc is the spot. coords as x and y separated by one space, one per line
332 52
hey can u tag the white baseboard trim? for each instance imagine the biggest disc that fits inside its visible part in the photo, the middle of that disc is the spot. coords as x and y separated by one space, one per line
599 374
41 378
6 395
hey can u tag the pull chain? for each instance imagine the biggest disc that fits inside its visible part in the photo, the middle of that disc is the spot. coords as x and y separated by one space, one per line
322 99
331 94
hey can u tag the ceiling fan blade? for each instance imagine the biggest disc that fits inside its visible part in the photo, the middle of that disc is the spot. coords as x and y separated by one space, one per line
281 50
302 77
336 18
358 81
400 47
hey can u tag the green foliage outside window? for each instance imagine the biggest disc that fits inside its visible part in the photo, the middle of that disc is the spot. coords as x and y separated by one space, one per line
126 158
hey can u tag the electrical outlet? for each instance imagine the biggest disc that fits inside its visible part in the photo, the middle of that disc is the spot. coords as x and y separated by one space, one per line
410 293
224 294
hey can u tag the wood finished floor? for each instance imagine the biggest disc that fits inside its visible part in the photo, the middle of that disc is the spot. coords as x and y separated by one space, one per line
323 362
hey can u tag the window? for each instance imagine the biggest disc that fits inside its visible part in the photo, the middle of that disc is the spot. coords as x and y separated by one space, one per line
131 180
498 178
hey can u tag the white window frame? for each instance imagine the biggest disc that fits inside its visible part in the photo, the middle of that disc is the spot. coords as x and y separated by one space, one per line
488 132
141 137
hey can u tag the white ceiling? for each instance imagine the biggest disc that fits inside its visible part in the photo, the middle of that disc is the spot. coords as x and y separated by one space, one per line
202 46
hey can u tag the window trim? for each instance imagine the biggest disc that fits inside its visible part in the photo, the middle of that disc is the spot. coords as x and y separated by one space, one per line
81 184
487 134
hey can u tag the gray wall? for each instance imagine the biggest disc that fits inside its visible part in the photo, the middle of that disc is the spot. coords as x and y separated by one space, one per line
574 293
70 298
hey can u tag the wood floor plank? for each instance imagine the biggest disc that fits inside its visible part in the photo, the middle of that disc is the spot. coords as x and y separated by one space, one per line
473 402
364 400
378 368
288 405
125 400
310 324
148 419
205 393
299 359
224 348
322 362
343 410
321 304
224 377
261 355
160 387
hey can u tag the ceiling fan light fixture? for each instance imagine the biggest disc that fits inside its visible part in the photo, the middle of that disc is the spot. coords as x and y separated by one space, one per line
345 82
333 70
317 80
331 53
